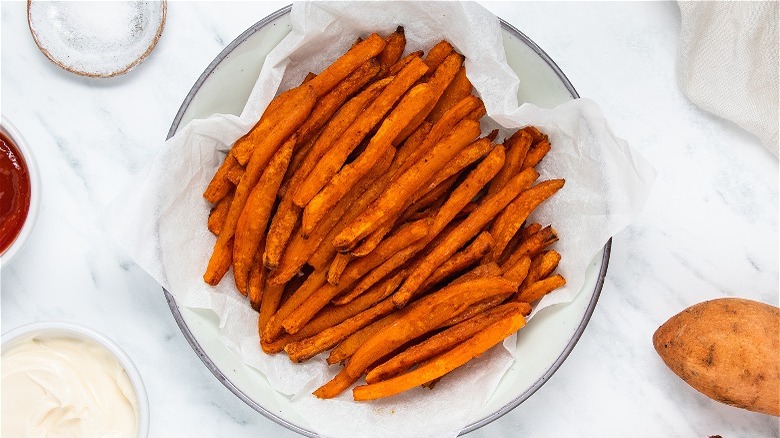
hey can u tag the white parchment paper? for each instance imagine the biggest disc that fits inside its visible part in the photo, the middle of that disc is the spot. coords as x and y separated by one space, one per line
161 219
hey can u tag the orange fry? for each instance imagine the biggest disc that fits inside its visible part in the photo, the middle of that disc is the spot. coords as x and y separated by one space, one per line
393 200
536 153
393 244
219 213
337 267
487 210
273 329
409 106
446 362
257 276
517 146
507 223
261 155
394 48
421 317
347 63
437 54
459 88
282 117
310 347
272 297
439 80
439 343
252 223
334 158
220 184
401 63
540 288
532 245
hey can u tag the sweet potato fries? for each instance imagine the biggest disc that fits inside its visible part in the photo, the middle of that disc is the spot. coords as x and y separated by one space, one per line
366 214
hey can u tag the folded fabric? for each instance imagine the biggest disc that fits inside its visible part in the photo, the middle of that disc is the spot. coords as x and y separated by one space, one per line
728 63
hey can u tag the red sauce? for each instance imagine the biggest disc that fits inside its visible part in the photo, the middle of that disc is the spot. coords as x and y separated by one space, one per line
14 192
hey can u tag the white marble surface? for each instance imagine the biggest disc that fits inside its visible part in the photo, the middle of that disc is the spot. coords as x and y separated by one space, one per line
710 228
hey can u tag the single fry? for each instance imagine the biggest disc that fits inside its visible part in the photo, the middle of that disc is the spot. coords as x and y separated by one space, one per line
446 362
272 297
401 63
437 54
517 146
467 230
394 48
421 317
219 213
334 158
409 106
439 343
540 288
459 88
252 223
337 267
347 63
220 184
536 153
509 222
234 174
257 276
518 272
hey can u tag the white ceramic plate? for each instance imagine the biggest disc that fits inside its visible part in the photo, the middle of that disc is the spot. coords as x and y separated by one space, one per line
96 39
224 88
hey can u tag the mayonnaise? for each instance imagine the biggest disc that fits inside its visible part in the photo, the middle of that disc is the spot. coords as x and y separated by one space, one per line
57 387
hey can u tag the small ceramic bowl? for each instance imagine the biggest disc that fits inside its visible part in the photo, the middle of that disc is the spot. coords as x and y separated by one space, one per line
10 131
70 330
96 39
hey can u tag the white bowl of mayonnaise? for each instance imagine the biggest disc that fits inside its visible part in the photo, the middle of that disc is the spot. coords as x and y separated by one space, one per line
63 379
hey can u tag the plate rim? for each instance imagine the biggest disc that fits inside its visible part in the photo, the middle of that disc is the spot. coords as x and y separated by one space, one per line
178 317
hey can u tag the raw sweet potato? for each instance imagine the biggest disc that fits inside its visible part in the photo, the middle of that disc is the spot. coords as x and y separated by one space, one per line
727 349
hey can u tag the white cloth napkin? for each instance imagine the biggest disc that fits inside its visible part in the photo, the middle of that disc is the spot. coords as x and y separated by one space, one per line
728 62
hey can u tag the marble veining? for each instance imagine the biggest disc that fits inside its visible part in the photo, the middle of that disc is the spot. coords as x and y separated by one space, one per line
710 228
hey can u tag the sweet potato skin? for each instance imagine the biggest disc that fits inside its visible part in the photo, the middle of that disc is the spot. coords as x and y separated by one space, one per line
728 349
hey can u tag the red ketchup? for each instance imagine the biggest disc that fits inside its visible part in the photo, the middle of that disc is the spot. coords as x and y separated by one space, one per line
14 192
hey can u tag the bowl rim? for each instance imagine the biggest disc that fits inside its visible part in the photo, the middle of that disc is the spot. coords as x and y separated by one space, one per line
35 190
211 366
119 71
84 332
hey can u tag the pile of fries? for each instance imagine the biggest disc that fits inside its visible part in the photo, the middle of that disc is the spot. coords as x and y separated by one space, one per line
364 214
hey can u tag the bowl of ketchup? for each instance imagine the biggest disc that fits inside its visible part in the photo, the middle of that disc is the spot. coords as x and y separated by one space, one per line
19 191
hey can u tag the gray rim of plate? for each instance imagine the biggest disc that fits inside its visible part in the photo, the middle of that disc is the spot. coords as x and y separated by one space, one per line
270 415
